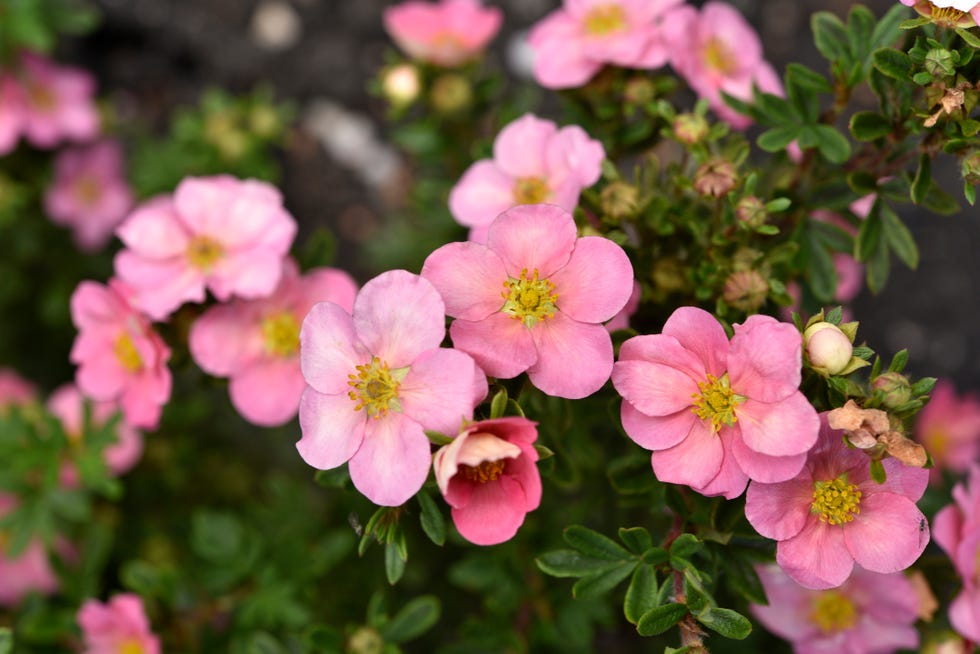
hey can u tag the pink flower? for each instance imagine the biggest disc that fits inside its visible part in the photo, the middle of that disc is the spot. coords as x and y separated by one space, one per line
67 404
948 11
717 51
377 380
833 515
488 475
957 530
533 162
217 232
533 298
869 614
622 319
29 572
717 414
949 428
58 102
11 113
119 357
256 342
573 43
89 193
447 33
119 626
14 389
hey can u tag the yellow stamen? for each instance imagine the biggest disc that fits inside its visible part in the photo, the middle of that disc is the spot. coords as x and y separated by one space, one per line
88 190
40 97
280 334
486 471
604 19
203 252
376 387
530 190
719 57
832 612
131 646
716 402
529 299
836 501
127 354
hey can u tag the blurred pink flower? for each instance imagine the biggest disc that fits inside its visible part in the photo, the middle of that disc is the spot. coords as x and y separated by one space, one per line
256 342
489 476
927 8
377 380
715 51
67 404
957 530
58 102
717 413
557 290
622 319
119 626
446 33
11 112
949 428
119 356
533 162
14 389
833 515
870 613
29 572
573 43
89 193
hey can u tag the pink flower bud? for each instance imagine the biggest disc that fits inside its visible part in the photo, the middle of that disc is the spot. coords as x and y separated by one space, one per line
827 347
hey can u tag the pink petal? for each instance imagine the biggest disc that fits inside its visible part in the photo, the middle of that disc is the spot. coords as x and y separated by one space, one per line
699 331
267 392
482 193
224 339
764 360
784 428
332 430
694 461
657 432
779 511
469 277
817 557
946 526
252 273
519 148
92 305
533 237
904 480
574 359
393 461
154 230
102 378
597 281
500 344
765 468
574 157
440 390
494 512
524 470
964 613
654 388
325 285
329 349
160 286
667 350
888 534
730 482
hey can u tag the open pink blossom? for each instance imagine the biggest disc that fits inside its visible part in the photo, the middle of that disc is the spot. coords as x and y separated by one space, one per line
119 626
256 342
533 298
29 572
572 43
12 112
834 514
870 613
715 51
119 356
68 405
89 193
949 428
717 413
14 389
952 12
957 530
378 380
58 102
221 233
533 162
446 33
489 476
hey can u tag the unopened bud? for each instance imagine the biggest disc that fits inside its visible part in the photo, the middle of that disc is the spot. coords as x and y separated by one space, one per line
668 275
970 167
690 128
751 211
715 178
365 641
940 63
827 347
745 290
639 90
401 84
619 200
895 389
263 121
451 93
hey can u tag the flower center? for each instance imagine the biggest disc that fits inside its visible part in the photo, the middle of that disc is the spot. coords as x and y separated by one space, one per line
718 57
832 612
530 190
375 387
716 402
836 501
41 98
604 19
529 299
203 252
280 333
486 471
126 353
131 646
88 190
949 17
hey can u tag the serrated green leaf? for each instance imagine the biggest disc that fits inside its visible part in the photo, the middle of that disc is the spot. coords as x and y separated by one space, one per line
641 596
600 584
726 622
414 619
832 145
869 125
432 521
659 619
893 63
570 563
593 544
899 238
636 539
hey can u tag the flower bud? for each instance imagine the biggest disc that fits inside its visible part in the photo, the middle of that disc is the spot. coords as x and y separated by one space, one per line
639 90
970 168
669 275
751 211
690 128
401 84
895 388
827 347
745 290
619 200
940 63
365 640
715 178
451 93
263 121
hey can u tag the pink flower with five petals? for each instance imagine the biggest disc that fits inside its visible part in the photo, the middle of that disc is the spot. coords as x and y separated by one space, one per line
119 626
58 102
447 33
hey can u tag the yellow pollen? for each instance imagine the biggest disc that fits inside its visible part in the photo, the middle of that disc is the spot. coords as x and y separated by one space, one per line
716 402
719 57
604 19
280 334
203 252
529 299
833 611
40 97
375 387
836 501
131 646
127 354
486 471
530 190
88 190
950 17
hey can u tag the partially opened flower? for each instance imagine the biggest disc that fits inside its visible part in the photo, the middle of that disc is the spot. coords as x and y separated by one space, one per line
119 356
377 380
256 342
949 428
58 101
119 626
951 13
220 233
834 514
446 33
533 298
717 413
533 162
572 43
870 613
957 531
489 477
28 572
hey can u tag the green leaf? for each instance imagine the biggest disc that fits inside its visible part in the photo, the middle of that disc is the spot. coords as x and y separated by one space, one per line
740 575
807 78
394 563
893 63
431 518
641 596
6 641
685 545
829 34
869 125
726 622
888 29
833 145
878 471
599 584
262 642
636 538
970 193
899 361
923 179
969 37
415 618
594 544
777 138
860 25
499 404
660 619
869 236
570 563
698 597
899 238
